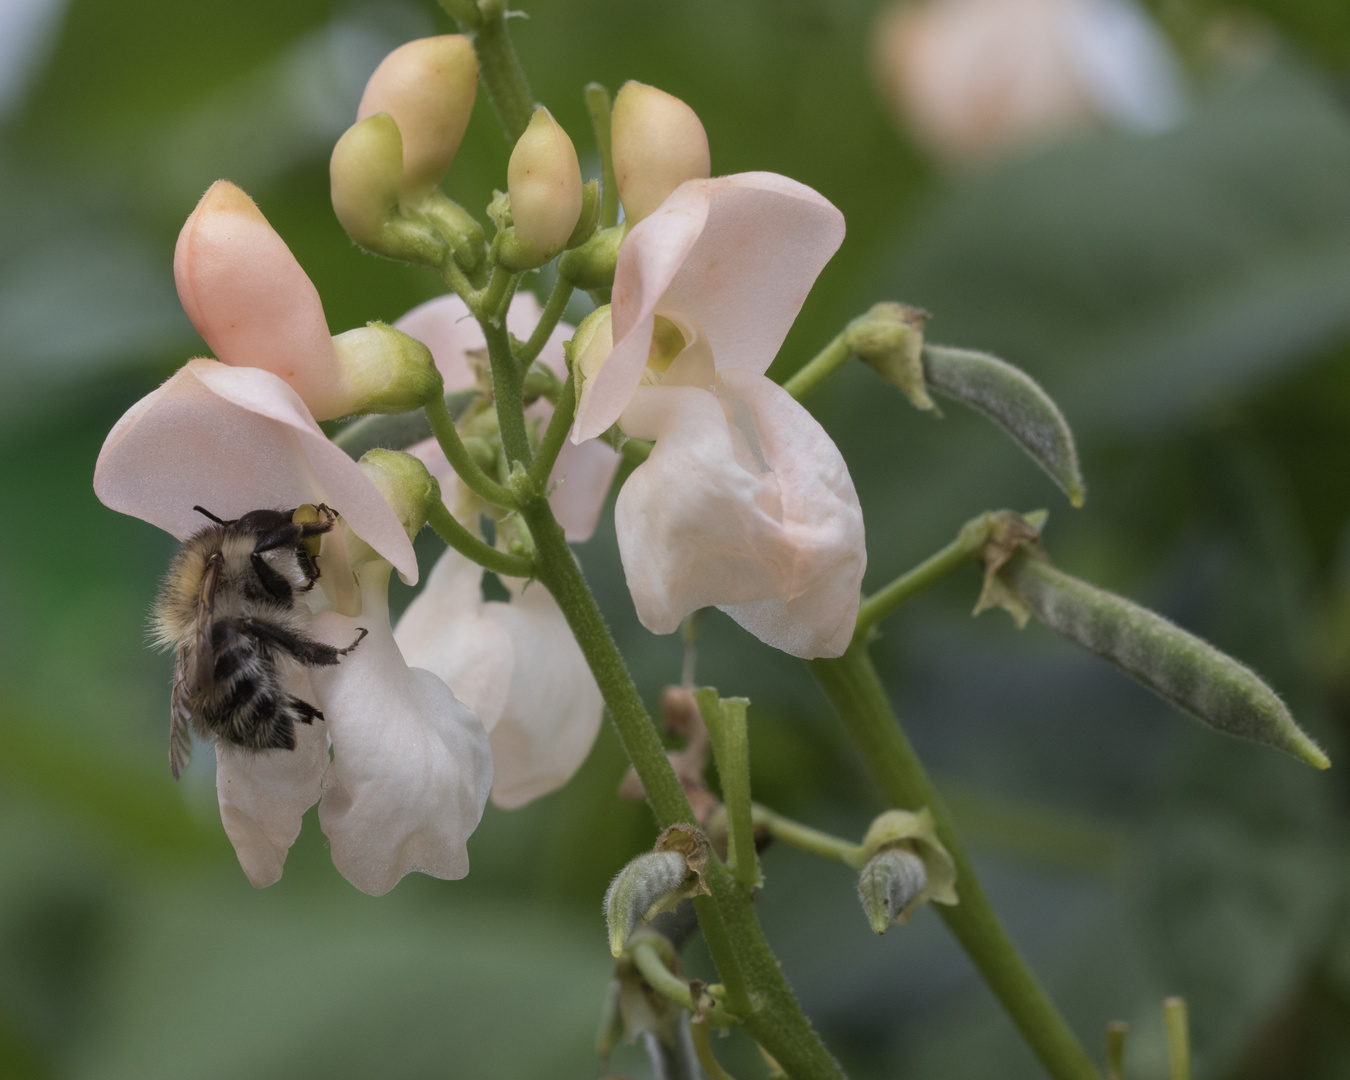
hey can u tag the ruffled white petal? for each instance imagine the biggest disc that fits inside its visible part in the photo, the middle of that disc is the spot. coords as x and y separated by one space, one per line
248 297
235 439
411 764
516 665
736 255
745 504
264 795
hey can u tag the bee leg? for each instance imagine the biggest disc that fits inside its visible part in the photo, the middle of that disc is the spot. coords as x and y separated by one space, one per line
360 637
304 649
303 710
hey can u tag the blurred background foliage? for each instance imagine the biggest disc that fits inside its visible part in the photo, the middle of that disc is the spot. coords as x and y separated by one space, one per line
1184 295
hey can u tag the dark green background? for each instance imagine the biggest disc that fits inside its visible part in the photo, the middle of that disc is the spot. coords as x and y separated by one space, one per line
1185 297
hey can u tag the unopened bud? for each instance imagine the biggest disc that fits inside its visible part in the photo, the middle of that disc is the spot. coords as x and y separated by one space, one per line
890 887
1175 664
543 179
642 885
589 348
383 370
428 87
889 338
1014 401
591 266
409 489
658 142
590 214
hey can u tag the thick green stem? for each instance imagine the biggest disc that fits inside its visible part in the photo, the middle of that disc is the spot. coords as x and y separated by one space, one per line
474 478
734 936
500 70
854 687
468 545
818 368
552 313
555 435
812 841
884 601
598 105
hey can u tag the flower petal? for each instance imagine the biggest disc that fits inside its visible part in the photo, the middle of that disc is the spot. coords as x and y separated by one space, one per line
517 666
745 504
444 631
248 297
737 255
554 708
264 795
580 483
411 765
234 440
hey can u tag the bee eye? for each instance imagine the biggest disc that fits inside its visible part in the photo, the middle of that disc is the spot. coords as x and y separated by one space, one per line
304 515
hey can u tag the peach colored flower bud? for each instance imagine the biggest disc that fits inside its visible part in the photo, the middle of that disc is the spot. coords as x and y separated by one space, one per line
409 489
366 172
543 179
428 87
658 143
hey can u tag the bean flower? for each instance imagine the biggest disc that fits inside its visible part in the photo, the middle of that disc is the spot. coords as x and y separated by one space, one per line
745 502
410 767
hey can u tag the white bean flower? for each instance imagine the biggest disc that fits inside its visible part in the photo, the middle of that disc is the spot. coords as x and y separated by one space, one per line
745 502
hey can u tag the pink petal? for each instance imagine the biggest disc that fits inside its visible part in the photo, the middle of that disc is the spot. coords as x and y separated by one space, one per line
580 483
553 711
248 297
516 665
745 504
411 764
737 255
264 795
234 440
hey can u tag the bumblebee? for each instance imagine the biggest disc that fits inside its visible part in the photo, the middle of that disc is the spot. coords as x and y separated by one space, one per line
231 606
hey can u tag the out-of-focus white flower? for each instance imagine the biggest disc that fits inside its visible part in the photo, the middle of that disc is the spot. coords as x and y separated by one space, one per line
411 767
249 298
582 475
745 502
974 80
516 665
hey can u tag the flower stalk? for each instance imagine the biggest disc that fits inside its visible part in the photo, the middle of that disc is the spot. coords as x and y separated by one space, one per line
499 67
725 718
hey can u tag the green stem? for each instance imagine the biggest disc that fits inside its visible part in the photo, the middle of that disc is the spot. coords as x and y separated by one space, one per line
555 435
703 1048
552 313
1178 1038
725 719
968 543
805 838
468 545
853 686
474 478
598 105
491 303
500 70
818 368
746 964
669 985
506 391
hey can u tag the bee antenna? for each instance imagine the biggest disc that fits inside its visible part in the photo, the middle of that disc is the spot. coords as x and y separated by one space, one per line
207 513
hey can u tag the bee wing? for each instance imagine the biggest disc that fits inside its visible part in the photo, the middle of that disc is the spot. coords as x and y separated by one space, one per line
180 741
201 674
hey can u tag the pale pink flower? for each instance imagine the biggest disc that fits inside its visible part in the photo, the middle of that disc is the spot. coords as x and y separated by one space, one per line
411 768
745 502
582 475
516 665
974 80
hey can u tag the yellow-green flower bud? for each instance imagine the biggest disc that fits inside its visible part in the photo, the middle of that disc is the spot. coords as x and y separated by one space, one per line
543 179
384 370
907 866
366 175
589 348
409 489
428 87
658 143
